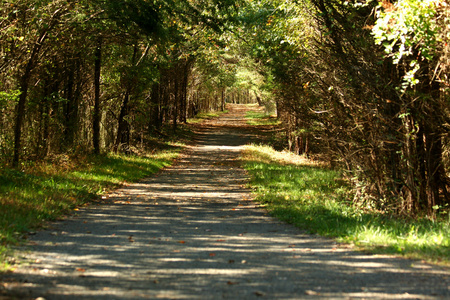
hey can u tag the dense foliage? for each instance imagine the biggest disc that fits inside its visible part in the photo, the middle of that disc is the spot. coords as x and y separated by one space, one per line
363 84
79 76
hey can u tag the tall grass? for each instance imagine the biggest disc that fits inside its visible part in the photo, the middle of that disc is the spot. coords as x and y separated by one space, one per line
202 116
47 191
315 198
258 118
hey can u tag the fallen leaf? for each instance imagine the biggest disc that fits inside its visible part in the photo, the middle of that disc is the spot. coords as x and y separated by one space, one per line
81 270
212 254
182 242
220 240
311 293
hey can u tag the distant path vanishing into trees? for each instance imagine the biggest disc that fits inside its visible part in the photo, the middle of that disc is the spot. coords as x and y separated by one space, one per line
193 232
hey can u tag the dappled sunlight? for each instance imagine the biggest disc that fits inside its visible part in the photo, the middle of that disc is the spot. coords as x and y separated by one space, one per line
194 228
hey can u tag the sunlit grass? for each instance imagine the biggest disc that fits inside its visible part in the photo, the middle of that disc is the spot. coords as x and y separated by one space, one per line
315 198
257 118
47 191
200 117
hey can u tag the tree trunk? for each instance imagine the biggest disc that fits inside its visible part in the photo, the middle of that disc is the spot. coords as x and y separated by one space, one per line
176 100
184 96
97 116
434 168
20 114
123 130
155 108
20 107
24 83
71 107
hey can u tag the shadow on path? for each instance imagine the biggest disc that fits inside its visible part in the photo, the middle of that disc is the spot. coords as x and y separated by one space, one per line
193 232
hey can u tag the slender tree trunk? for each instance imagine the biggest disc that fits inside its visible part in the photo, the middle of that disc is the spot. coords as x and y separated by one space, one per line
20 107
184 95
176 102
155 108
97 115
24 83
71 107
434 166
258 99
123 130
42 143
222 107
20 114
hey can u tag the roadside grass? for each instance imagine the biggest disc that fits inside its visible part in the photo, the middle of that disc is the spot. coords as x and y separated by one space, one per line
258 118
48 191
200 117
315 198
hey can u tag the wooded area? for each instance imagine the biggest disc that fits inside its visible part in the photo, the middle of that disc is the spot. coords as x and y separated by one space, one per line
362 84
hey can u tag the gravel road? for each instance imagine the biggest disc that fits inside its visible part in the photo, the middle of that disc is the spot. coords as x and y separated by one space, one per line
193 232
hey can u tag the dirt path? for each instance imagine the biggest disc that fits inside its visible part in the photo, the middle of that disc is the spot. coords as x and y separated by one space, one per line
192 232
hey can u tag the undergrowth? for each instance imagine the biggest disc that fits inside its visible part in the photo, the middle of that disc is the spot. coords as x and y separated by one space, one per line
257 118
200 117
46 191
315 198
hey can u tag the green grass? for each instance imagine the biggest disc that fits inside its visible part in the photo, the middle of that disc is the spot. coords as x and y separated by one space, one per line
314 197
200 117
257 118
48 191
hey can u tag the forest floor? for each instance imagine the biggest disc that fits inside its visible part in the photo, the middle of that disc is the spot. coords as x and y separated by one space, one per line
193 232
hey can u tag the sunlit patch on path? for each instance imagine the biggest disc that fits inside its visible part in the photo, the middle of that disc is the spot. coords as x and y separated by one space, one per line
193 232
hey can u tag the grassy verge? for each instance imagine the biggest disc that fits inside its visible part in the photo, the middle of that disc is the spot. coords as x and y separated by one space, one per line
200 117
257 118
314 197
48 191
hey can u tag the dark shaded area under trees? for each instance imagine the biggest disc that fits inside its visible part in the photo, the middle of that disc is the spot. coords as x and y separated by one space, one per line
101 76
342 97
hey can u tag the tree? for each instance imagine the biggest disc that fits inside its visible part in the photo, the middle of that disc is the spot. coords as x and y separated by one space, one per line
38 31
414 35
339 95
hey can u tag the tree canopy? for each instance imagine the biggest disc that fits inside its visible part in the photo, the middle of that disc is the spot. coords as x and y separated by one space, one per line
362 84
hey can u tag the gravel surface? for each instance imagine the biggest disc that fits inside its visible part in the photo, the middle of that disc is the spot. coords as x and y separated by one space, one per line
193 232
